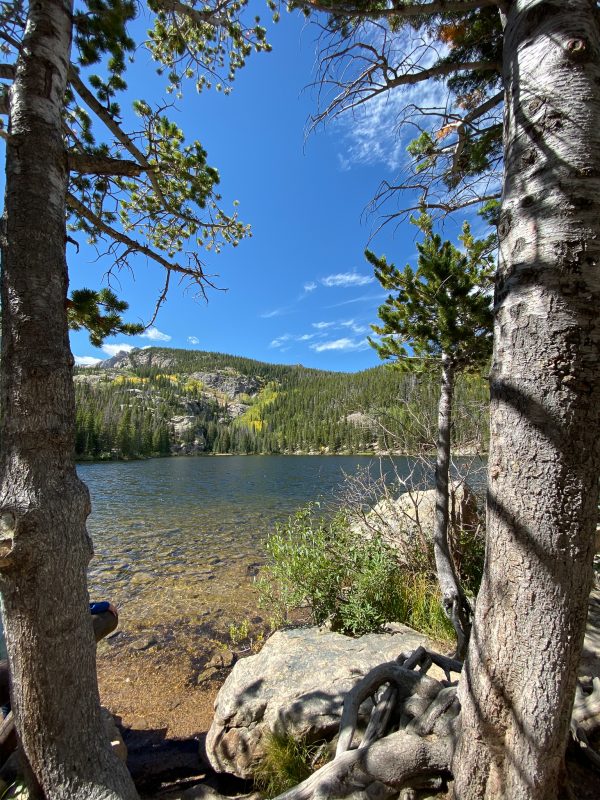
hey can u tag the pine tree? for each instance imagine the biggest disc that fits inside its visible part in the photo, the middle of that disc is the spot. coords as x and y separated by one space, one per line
440 313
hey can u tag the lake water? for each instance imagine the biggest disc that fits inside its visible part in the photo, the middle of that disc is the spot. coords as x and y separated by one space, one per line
178 540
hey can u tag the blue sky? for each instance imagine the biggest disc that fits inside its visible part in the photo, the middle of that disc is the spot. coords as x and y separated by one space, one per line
300 290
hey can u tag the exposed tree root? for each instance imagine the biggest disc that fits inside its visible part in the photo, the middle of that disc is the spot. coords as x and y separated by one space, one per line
585 719
410 738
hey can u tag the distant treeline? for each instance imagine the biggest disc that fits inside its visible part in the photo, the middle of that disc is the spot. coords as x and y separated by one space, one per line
129 413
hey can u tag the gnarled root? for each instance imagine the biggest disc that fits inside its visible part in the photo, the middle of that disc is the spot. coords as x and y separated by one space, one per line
409 740
585 719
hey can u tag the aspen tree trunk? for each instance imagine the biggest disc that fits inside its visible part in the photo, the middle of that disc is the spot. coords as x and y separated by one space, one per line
44 547
454 601
518 684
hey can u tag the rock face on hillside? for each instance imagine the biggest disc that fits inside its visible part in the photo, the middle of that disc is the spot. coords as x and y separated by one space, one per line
138 358
228 382
296 684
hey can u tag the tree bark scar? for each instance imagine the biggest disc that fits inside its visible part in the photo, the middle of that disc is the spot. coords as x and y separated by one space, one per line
578 50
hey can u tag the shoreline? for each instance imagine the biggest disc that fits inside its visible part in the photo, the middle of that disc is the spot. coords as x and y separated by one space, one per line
465 453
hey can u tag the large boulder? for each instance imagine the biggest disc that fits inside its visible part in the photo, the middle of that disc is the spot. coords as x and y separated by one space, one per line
408 521
296 685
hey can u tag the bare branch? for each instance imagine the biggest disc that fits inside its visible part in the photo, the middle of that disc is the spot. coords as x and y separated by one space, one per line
7 72
102 165
161 299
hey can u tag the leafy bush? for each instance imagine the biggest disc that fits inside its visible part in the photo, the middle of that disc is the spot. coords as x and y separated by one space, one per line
354 583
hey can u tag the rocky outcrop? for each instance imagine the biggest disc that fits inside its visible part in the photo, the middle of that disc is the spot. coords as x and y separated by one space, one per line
228 382
190 440
296 685
138 358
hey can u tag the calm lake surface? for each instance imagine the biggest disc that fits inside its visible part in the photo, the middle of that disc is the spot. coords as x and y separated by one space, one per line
178 540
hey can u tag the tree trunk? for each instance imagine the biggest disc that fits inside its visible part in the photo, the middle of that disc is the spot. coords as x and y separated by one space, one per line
454 601
519 679
44 547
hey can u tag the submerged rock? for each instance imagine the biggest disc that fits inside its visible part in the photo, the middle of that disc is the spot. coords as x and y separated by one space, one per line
296 685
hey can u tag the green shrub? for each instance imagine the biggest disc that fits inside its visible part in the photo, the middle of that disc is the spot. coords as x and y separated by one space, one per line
354 583
286 763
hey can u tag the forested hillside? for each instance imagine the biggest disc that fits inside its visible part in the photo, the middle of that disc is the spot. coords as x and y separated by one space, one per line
163 401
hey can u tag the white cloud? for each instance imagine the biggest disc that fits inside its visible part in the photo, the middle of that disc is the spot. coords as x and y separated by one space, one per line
340 344
306 337
156 335
356 328
193 340
113 349
280 340
322 325
86 361
345 279
310 286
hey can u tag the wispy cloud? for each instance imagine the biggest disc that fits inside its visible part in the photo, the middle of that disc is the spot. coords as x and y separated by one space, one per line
193 340
112 349
354 326
345 279
277 312
280 340
362 299
156 335
86 361
344 163
374 133
310 286
340 344
322 325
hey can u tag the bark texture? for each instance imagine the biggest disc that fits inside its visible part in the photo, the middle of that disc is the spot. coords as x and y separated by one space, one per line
44 547
519 679
454 601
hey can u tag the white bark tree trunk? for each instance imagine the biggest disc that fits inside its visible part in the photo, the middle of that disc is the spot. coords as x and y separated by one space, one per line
44 547
518 684
454 601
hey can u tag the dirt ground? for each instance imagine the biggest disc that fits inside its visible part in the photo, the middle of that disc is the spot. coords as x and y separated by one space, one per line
163 696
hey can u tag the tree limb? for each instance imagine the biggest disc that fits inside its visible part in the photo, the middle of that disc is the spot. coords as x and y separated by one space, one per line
7 72
131 244
207 17
102 165
402 11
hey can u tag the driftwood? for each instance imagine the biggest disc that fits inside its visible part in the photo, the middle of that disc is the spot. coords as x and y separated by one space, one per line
409 741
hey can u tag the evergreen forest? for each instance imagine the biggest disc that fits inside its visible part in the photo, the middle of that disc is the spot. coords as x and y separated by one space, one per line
159 402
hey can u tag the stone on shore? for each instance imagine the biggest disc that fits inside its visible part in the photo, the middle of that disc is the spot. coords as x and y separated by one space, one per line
295 685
